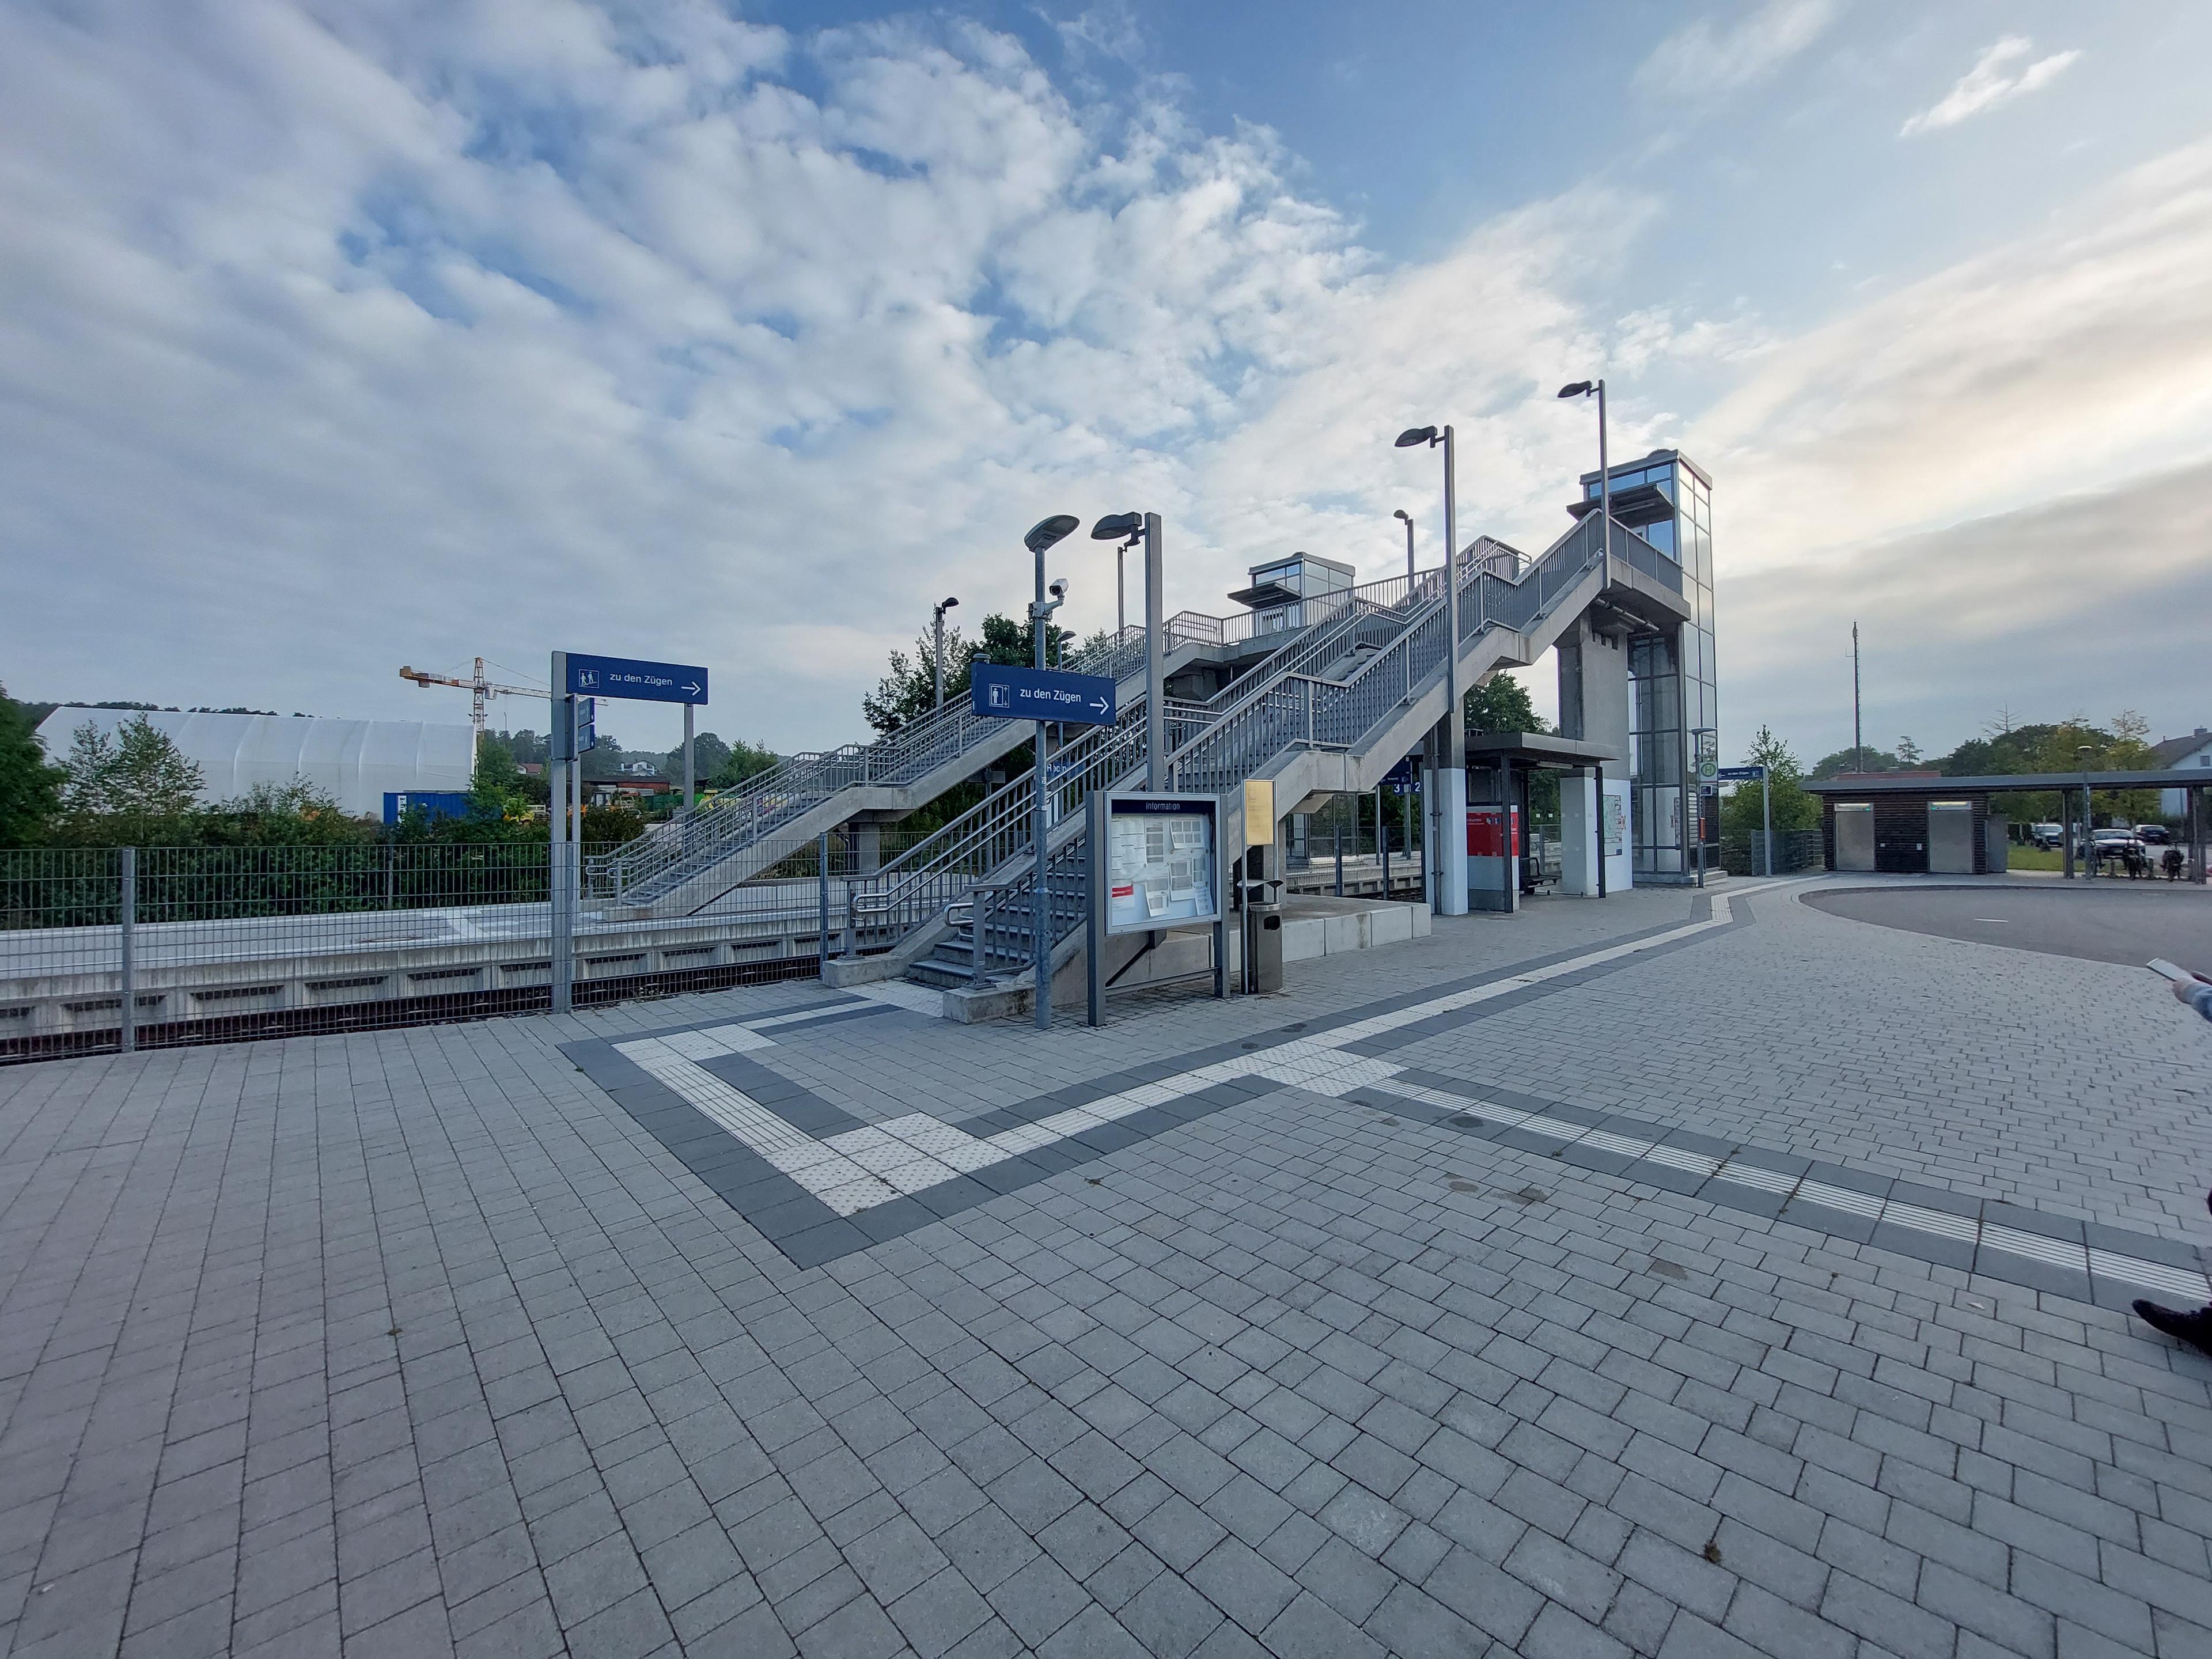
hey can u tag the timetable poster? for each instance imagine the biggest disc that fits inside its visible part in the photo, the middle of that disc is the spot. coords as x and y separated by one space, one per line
1160 868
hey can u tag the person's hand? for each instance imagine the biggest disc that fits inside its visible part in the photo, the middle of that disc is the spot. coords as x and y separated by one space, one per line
2185 990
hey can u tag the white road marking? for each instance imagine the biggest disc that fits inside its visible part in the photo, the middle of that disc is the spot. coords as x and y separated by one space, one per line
860 1169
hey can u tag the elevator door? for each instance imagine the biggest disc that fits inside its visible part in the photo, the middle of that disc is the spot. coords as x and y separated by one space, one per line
1854 834
1951 837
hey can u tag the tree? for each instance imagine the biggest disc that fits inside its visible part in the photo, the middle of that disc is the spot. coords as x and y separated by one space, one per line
908 690
1847 760
1908 751
131 782
744 760
1501 703
501 789
295 814
30 785
1741 813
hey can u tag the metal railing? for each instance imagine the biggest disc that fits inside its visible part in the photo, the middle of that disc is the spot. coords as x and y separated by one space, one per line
1295 710
104 948
939 870
668 854
1274 707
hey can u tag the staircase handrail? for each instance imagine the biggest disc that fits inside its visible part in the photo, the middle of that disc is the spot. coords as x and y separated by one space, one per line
1299 708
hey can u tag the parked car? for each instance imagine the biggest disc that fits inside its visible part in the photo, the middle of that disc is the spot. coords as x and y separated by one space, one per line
2153 835
2048 836
2116 842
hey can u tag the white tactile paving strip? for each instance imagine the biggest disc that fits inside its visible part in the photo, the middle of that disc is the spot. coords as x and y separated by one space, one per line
860 1171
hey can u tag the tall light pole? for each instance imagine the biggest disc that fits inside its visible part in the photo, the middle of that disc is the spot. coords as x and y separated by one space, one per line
1128 529
1858 734
1408 517
937 628
1596 389
1042 536
1451 890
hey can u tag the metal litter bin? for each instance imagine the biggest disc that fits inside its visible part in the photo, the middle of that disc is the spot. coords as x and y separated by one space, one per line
1259 897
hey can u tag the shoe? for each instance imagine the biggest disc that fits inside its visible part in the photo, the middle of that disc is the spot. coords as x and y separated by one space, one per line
2192 1326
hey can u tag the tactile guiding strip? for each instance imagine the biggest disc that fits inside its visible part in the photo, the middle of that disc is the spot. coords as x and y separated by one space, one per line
818 1198
820 1194
2086 1260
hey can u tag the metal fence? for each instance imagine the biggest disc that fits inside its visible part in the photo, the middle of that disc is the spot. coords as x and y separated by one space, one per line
108 948
1793 850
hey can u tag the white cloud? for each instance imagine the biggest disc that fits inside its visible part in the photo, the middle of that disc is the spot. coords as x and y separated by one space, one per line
2001 464
2067 607
334 339
1707 56
1990 82
2073 359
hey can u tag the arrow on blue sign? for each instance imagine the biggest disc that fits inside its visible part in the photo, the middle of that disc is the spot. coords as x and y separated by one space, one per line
635 678
1040 694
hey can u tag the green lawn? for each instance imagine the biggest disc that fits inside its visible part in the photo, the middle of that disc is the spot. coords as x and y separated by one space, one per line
2035 858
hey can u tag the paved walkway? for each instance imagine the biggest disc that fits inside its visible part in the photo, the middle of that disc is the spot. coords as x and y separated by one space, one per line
1672 1275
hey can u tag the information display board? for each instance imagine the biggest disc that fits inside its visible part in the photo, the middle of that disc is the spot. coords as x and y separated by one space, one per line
1162 862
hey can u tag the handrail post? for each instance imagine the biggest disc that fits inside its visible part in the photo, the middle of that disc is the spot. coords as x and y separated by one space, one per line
821 920
128 1033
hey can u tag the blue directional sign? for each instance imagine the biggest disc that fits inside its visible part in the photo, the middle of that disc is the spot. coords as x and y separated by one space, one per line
639 681
1042 694
1740 774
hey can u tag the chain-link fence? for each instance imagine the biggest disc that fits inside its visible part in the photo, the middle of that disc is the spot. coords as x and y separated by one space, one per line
103 948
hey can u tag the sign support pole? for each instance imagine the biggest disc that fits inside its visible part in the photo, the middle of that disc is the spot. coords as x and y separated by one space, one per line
129 1030
1095 863
690 709
1766 817
1156 690
562 761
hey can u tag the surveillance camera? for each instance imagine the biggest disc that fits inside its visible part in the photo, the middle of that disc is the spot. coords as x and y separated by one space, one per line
1059 589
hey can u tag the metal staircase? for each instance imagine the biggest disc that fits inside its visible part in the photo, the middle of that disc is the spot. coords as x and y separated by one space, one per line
1335 707
679 867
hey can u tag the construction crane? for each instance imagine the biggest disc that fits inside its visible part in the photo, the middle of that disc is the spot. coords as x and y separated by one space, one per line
485 691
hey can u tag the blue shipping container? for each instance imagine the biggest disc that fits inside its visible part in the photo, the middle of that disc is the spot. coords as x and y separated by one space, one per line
438 802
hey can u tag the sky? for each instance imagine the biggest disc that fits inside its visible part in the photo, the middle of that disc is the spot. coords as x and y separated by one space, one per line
336 334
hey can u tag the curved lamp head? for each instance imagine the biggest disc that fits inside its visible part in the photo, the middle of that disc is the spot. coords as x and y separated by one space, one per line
1046 531
948 605
1116 526
1579 389
1416 435
1402 514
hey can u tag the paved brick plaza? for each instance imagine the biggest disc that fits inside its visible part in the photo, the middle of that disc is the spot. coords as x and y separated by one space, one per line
1643 1277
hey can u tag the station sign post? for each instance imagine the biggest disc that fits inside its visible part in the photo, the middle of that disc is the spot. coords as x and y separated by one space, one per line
998 691
579 680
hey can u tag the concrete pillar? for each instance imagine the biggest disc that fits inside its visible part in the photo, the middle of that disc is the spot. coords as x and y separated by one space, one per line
867 848
1579 830
1451 833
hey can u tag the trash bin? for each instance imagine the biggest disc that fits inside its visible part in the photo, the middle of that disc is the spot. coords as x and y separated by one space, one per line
1259 897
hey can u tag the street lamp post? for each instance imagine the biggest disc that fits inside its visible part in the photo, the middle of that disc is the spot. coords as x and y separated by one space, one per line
937 629
1408 517
1451 890
1040 537
1596 389
1128 529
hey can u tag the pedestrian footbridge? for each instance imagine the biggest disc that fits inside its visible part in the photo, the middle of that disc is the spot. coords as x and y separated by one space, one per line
1328 706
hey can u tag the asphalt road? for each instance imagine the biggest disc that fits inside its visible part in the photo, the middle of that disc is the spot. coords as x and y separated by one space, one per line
2121 922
